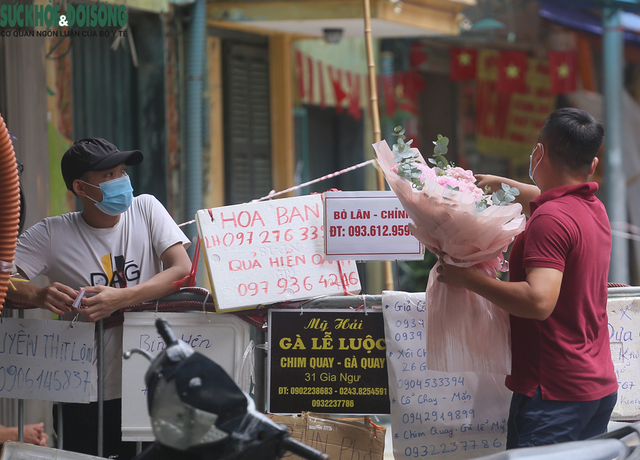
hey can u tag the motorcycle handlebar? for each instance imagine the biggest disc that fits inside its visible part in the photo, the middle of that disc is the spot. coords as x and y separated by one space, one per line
302 450
165 332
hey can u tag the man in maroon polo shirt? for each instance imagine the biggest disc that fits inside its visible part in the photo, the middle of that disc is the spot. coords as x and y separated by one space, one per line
562 375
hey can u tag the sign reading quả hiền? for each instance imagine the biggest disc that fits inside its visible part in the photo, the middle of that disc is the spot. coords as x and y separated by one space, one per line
268 252
329 361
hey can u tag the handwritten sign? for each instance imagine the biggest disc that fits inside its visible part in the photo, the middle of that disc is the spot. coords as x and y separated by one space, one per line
268 252
330 361
368 226
455 416
223 338
12 450
624 337
46 360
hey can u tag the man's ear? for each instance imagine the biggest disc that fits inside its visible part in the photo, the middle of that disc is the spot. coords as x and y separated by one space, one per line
78 188
594 164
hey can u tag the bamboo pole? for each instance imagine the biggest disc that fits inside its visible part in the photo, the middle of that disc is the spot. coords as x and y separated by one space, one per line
375 118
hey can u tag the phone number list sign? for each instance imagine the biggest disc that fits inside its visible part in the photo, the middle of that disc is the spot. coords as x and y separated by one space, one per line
329 361
368 226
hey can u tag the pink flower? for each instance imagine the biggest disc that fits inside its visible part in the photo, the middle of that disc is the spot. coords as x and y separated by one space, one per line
450 177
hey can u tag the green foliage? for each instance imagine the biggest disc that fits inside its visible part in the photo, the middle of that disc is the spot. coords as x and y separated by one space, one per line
414 274
505 196
404 155
500 198
439 151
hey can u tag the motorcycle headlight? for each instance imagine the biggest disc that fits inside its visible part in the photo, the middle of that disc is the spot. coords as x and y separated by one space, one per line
180 425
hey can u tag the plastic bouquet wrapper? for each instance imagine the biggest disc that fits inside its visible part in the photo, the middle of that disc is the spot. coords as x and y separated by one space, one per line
465 332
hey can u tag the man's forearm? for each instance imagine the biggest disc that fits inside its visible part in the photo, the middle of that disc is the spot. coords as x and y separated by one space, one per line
22 290
154 288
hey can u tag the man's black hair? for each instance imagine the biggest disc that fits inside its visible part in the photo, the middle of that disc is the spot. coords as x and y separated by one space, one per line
572 137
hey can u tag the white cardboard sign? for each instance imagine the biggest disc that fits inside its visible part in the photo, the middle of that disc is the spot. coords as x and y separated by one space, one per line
12 450
223 338
452 415
624 337
368 226
46 360
267 252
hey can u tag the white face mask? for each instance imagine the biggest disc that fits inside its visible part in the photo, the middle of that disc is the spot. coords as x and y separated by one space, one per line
531 172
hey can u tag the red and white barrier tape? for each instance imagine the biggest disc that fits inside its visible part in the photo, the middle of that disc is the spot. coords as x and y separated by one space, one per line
296 187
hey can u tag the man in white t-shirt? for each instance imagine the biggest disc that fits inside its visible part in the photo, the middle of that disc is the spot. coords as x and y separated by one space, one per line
115 249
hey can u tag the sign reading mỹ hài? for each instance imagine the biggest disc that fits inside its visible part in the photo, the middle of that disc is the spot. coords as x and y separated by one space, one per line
329 361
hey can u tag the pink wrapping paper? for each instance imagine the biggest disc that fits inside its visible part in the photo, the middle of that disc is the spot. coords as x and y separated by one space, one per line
465 332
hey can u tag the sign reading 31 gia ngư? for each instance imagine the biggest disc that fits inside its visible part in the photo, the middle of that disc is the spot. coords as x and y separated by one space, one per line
329 361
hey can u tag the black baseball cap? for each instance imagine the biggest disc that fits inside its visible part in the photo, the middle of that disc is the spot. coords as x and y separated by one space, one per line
94 154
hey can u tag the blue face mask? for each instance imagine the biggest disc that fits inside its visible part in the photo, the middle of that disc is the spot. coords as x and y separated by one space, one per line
534 169
117 195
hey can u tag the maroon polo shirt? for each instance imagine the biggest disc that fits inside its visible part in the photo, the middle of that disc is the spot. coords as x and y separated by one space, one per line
568 354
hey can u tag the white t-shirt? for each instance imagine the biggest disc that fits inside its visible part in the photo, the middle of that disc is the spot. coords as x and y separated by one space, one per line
67 250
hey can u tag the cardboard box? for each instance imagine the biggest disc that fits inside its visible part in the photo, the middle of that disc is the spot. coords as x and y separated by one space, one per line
340 439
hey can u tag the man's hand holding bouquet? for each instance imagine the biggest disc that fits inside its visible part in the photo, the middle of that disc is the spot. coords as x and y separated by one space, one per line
466 227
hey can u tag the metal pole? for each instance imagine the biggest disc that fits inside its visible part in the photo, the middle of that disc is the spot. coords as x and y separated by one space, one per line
193 160
60 426
21 403
615 181
100 388
375 118
259 389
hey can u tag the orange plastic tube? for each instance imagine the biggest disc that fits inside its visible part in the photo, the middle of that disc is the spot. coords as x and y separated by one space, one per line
9 208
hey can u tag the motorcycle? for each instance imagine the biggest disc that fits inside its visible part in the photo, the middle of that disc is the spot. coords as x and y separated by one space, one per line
199 413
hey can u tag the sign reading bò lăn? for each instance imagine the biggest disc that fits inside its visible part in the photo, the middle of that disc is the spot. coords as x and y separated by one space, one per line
329 361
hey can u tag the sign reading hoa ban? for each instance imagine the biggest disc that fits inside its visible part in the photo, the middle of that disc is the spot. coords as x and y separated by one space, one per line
268 252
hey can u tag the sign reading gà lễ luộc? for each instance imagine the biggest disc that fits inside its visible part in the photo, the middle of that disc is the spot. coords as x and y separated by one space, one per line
330 361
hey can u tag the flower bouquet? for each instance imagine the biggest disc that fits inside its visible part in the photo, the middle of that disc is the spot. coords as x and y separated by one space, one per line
465 332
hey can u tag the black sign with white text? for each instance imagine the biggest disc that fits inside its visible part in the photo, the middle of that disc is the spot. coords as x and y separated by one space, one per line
329 361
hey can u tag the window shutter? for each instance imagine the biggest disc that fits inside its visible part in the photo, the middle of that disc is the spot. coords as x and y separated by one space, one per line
247 122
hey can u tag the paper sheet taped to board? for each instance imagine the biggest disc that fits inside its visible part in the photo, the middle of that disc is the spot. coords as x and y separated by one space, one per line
624 338
46 360
453 415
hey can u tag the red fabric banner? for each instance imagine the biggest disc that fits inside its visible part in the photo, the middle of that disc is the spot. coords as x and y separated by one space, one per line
339 93
512 72
562 71
323 101
354 95
463 63
417 54
389 90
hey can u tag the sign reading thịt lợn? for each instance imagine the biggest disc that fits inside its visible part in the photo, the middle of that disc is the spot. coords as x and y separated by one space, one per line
46 360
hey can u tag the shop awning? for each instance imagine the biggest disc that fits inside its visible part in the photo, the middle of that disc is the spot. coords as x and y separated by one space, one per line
587 17
409 18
